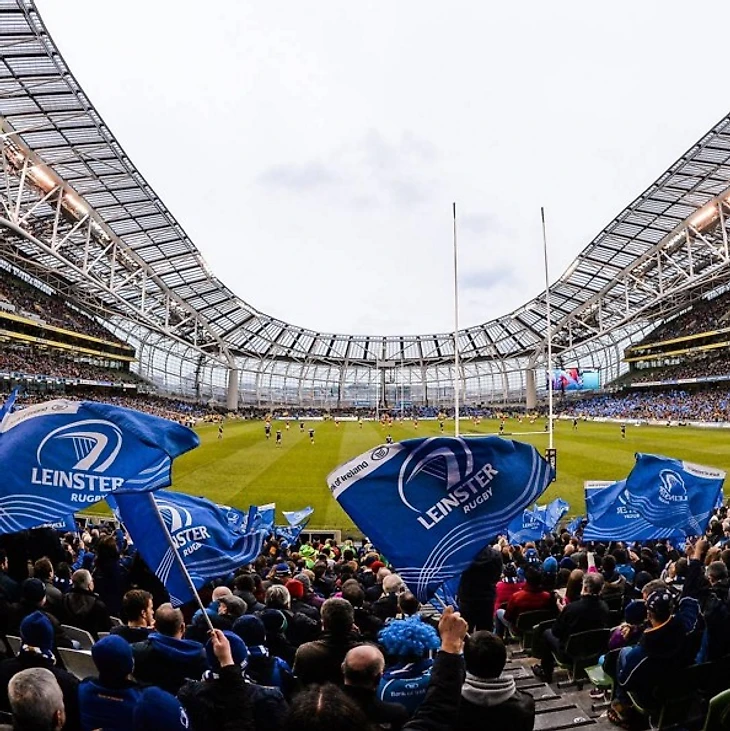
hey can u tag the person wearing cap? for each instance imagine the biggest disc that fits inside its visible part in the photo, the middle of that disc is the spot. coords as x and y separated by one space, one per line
108 702
298 604
165 658
280 573
275 625
158 710
630 630
223 698
660 653
507 586
310 597
33 599
36 651
300 627
263 668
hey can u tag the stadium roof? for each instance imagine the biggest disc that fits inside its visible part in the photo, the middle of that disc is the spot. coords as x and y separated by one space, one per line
80 216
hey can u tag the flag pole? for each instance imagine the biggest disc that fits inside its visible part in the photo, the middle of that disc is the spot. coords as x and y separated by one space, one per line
549 332
456 331
181 564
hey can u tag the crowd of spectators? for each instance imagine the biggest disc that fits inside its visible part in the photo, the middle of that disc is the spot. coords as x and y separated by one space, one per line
710 404
716 364
316 635
29 361
167 408
22 298
705 315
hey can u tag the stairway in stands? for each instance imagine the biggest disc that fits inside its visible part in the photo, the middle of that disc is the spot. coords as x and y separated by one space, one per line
555 708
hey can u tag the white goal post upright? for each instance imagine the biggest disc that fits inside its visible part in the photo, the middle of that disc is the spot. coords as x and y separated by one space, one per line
548 334
456 332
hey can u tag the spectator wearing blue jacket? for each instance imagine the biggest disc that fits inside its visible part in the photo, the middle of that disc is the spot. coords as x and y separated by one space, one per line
165 659
407 644
109 701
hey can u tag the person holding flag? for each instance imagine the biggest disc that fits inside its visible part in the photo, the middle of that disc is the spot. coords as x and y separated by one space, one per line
441 501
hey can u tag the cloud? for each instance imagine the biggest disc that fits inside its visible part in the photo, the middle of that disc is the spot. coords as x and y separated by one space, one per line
299 176
369 171
501 275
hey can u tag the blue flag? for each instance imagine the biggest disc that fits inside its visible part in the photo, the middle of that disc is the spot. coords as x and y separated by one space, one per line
288 534
237 519
295 517
554 511
9 405
612 517
431 505
200 531
535 522
574 525
61 456
446 595
670 493
264 515
528 526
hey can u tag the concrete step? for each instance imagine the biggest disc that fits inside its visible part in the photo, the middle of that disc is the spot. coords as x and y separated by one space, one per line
560 718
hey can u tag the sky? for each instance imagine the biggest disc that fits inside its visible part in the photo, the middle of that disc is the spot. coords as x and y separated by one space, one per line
312 150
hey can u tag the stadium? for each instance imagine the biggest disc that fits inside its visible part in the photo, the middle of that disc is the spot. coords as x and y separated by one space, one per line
188 610
104 296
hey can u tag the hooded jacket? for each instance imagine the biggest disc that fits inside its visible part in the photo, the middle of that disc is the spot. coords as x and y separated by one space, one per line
229 701
168 662
494 703
659 654
85 610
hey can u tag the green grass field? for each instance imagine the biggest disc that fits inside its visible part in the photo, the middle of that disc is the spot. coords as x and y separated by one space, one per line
244 468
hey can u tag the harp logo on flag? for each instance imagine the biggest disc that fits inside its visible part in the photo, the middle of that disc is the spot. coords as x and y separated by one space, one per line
86 449
179 522
672 489
452 468
95 444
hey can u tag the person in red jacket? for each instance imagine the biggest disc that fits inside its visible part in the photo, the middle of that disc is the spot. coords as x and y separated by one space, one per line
530 599
507 586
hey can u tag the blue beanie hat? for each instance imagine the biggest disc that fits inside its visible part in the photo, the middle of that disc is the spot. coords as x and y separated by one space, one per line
36 630
238 651
567 563
251 630
113 657
550 565
157 710
274 621
635 612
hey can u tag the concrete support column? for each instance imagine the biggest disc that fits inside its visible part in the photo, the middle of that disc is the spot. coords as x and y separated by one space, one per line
232 391
530 389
